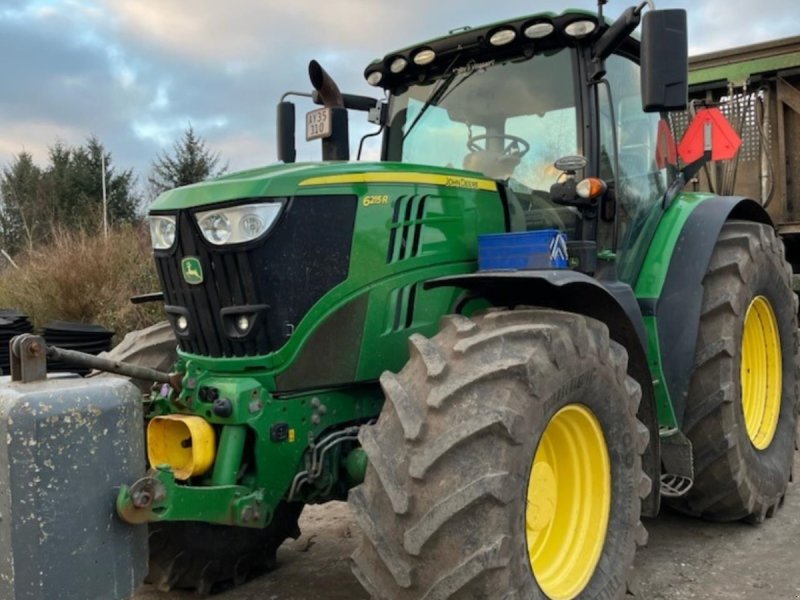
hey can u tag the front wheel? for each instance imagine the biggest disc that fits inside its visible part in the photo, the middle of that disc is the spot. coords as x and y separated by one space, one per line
207 558
506 464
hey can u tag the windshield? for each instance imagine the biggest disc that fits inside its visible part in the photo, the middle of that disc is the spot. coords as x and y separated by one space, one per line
509 121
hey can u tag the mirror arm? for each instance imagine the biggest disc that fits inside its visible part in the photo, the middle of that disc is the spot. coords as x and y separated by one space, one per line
613 37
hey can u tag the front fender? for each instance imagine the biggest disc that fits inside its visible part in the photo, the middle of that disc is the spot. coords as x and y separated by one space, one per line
612 303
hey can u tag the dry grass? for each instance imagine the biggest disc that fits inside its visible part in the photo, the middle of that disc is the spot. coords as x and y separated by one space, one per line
87 278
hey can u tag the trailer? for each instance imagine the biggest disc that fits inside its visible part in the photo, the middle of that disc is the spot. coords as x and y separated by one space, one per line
757 87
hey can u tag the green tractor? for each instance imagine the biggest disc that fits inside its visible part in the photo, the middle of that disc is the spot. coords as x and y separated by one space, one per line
503 343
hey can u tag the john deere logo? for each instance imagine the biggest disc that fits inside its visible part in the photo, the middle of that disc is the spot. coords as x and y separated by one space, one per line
192 270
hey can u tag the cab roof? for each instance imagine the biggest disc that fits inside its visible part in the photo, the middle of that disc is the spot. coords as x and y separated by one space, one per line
467 45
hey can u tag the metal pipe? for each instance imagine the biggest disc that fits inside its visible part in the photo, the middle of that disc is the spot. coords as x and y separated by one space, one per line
329 92
300 94
762 117
80 359
229 455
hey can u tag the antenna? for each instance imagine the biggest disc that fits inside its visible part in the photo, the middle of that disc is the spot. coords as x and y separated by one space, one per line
600 5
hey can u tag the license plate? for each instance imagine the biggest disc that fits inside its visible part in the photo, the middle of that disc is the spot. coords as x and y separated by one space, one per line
318 124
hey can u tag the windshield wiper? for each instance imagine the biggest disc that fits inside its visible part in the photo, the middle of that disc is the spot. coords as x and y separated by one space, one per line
433 98
435 95
441 93
455 87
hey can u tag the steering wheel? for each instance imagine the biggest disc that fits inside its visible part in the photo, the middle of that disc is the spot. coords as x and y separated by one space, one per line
516 147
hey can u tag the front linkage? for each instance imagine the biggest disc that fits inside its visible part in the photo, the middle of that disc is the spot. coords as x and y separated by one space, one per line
299 448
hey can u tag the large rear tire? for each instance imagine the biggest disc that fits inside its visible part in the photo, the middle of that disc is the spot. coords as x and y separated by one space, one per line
506 464
743 396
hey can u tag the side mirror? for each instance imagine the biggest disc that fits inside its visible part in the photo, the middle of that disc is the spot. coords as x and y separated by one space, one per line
665 61
285 129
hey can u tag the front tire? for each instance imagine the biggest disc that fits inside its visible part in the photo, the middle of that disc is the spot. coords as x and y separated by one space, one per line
504 440
208 558
743 397
191 555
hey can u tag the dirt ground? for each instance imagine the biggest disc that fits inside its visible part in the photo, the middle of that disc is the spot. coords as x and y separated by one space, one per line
686 559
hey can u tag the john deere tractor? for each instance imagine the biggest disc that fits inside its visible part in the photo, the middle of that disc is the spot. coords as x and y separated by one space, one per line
503 343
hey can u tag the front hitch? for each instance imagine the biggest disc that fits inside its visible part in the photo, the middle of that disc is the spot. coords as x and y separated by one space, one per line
158 497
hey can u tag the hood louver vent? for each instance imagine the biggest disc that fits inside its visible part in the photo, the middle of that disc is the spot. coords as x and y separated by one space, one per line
406 228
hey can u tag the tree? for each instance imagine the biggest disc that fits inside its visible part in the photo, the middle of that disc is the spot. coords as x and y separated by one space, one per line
67 193
84 188
190 162
24 209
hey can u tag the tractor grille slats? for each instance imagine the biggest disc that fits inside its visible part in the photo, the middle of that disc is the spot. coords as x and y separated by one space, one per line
273 272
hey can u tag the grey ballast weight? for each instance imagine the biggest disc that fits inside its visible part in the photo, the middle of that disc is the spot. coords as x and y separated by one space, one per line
64 446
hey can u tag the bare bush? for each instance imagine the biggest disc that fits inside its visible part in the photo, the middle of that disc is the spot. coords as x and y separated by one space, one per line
86 277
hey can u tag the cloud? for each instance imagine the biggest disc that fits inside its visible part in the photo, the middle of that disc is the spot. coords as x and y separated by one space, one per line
244 150
716 25
35 137
137 72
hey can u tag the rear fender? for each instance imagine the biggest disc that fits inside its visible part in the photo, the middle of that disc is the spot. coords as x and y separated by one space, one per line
678 306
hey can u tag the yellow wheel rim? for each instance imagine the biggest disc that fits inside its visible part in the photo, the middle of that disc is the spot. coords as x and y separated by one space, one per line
761 373
569 501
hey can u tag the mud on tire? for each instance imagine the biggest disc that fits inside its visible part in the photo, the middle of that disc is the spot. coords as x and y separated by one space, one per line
154 347
443 507
209 558
733 479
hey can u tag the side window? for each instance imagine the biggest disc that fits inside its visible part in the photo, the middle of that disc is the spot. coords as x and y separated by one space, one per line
633 170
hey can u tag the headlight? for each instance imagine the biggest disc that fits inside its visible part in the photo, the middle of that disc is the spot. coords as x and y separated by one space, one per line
162 231
237 224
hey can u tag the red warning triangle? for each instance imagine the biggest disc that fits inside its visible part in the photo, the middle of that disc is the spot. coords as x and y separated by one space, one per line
725 142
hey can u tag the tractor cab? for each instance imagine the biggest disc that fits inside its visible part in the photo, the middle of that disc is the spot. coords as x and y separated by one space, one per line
508 121
508 100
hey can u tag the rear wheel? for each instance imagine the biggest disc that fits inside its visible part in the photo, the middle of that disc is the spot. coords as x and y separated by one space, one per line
506 464
742 403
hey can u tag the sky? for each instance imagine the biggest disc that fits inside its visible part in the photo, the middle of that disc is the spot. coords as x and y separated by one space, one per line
136 73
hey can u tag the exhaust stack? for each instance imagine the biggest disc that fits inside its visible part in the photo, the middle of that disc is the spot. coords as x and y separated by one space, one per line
337 145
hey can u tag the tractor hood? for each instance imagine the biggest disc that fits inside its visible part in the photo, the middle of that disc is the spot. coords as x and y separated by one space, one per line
306 178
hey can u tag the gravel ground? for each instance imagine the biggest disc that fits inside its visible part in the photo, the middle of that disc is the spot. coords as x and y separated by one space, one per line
685 559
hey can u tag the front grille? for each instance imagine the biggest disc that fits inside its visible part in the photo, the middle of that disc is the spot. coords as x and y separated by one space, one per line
280 278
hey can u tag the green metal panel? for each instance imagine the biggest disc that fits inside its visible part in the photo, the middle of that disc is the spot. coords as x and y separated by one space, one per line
654 270
396 247
649 286
286 180
738 73
448 231
738 65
